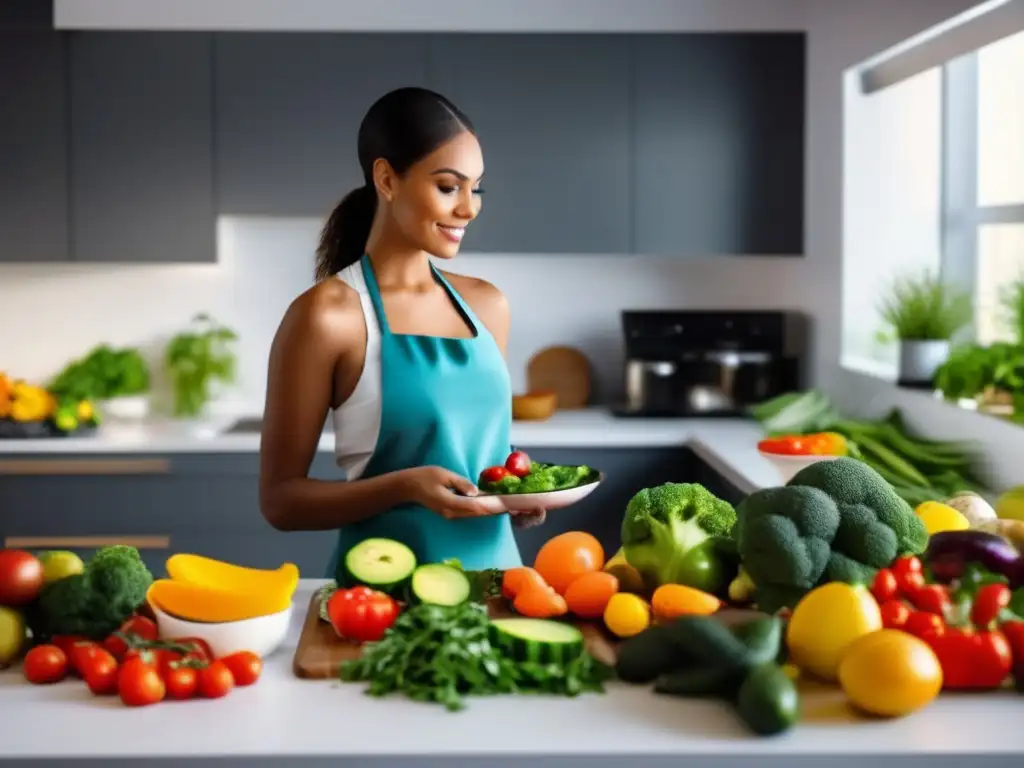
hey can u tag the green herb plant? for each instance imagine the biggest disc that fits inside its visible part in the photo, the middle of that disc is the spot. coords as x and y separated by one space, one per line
924 308
443 654
104 373
197 358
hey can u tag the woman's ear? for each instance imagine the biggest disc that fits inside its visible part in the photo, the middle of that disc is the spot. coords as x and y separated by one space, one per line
385 179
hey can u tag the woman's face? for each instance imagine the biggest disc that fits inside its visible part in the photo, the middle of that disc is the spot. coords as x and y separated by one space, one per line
439 196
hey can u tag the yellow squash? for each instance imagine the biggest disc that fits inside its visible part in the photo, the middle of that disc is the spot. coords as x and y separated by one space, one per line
203 603
207 572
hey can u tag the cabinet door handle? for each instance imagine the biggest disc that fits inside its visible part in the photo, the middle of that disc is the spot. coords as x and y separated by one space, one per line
84 466
85 542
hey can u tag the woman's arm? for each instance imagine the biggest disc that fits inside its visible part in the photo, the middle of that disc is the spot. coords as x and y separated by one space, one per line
310 341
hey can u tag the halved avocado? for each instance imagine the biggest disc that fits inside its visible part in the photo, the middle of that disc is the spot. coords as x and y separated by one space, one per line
381 564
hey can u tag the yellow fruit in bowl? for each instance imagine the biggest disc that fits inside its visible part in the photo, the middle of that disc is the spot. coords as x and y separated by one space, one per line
890 673
824 623
938 518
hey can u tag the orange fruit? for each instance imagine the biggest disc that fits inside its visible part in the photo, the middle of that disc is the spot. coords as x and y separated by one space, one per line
588 595
568 556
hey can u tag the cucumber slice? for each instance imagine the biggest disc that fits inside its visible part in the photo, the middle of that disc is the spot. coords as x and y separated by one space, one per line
439 584
381 564
537 640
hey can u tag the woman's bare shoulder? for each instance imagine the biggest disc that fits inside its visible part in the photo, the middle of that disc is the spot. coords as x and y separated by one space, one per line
328 313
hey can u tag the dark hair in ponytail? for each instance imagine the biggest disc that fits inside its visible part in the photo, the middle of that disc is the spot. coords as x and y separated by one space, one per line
402 127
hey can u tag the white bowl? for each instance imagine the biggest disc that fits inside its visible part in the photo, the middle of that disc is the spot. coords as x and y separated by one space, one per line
262 635
548 500
788 465
132 408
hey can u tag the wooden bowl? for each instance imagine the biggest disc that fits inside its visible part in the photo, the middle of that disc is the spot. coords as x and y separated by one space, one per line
534 406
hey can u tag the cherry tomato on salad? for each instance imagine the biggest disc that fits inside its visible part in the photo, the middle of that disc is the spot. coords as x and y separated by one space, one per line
139 683
45 664
100 672
215 680
181 682
364 617
246 667
518 463
494 474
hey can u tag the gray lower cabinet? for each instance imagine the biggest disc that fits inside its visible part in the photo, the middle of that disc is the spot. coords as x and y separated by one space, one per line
718 144
288 112
553 117
208 504
33 147
141 149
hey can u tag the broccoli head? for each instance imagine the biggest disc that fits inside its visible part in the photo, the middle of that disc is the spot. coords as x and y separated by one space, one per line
836 520
669 535
95 602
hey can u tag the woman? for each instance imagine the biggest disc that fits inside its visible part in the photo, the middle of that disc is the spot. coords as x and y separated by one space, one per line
409 359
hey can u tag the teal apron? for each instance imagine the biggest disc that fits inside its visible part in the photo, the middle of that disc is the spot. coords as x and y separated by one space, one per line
445 402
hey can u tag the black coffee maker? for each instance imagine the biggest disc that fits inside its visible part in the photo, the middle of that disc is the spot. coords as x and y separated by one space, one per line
707 363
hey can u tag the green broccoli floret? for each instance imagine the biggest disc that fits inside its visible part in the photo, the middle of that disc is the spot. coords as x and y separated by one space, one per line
95 602
669 535
506 484
836 520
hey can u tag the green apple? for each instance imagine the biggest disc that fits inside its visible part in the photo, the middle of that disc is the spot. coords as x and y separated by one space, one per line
1010 505
60 564
12 635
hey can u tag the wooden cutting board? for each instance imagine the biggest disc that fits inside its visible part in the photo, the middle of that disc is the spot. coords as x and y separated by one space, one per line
320 651
564 371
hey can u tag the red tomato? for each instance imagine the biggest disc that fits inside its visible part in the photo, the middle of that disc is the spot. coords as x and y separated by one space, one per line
894 614
989 602
200 648
494 474
933 598
246 667
100 672
139 683
116 647
140 627
923 624
67 642
906 564
45 664
518 463
181 682
215 680
909 583
21 577
81 653
884 586
362 618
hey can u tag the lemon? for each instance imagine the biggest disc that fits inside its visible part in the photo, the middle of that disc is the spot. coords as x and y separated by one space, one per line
890 673
825 622
938 517
626 615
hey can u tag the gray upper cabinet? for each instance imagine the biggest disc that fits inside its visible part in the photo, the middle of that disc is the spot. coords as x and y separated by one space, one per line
552 114
33 147
142 147
718 164
288 112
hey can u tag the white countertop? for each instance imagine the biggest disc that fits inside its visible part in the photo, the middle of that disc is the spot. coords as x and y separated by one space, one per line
284 716
728 445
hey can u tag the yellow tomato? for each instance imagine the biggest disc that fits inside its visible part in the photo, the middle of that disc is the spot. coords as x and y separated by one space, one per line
938 517
825 622
890 673
626 615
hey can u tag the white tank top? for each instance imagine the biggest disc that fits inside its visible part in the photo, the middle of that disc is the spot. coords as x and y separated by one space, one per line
357 420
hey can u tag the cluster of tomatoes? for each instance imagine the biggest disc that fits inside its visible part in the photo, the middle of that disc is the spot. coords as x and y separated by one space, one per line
134 664
517 463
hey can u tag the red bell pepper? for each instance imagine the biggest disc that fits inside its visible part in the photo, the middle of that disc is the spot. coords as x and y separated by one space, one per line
972 660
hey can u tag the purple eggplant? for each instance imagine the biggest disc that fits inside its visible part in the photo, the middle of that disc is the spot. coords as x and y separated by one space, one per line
949 552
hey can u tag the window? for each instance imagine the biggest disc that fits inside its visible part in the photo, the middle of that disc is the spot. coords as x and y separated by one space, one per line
983 179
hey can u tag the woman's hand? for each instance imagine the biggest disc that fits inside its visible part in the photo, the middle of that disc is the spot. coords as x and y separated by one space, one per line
528 518
439 490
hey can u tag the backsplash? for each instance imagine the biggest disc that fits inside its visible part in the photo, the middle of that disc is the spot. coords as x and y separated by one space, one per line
58 311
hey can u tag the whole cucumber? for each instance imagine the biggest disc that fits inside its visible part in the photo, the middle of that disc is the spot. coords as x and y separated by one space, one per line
768 701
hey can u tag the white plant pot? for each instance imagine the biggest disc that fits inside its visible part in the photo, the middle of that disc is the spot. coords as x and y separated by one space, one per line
130 409
919 360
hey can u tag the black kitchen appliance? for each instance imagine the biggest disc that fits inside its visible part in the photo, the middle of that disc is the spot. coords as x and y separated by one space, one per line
707 363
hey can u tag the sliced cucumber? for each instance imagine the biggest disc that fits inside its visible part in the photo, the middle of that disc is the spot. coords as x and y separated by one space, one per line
439 584
381 564
537 640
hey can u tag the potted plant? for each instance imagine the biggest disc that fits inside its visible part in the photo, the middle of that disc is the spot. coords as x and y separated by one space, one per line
117 380
923 314
197 361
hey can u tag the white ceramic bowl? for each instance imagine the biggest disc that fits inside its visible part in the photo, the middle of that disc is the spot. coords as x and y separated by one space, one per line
262 635
788 466
548 500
